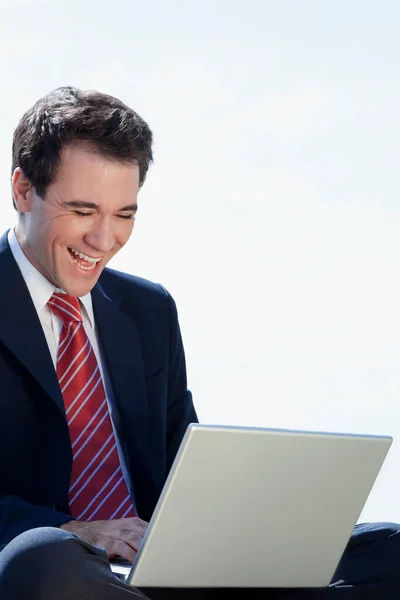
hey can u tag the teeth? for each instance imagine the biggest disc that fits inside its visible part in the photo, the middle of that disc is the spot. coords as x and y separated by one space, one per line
84 268
85 257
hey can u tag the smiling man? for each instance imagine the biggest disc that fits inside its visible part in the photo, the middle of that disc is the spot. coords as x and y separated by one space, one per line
93 383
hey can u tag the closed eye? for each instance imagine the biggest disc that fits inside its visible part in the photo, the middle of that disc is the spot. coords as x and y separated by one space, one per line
82 214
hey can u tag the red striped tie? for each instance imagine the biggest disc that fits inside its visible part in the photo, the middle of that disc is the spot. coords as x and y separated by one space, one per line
97 488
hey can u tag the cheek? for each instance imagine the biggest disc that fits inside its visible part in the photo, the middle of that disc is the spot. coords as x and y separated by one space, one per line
56 237
40 235
68 231
124 233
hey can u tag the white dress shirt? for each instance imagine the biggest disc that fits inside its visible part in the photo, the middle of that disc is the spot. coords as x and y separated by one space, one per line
41 291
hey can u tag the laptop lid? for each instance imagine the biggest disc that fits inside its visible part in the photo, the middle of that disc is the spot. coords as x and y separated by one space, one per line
250 507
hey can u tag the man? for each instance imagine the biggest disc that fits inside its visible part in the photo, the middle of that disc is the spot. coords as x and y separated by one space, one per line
93 383
94 398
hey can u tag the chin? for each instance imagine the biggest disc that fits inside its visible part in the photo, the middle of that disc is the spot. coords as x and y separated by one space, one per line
77 290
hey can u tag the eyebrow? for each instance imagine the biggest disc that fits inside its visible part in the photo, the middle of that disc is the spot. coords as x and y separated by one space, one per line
93 206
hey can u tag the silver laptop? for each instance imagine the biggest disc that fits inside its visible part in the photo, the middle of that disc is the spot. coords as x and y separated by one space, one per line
249 507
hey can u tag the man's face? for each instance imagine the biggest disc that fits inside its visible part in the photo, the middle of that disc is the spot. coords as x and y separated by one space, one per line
86 217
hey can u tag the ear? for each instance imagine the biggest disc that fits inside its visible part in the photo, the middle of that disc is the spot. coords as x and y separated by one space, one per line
21 191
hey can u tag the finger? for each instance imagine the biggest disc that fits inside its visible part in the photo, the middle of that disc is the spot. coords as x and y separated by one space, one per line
134 524
119 549
136 521
123 530
133 539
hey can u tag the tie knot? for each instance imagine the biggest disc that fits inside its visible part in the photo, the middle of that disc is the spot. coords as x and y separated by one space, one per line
66 307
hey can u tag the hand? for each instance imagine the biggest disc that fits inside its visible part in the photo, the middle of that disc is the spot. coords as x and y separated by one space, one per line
120 537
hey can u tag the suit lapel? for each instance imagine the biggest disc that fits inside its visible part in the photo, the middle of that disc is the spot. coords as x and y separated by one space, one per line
122 351
20 327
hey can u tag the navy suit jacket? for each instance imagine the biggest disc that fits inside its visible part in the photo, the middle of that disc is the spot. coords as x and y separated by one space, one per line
139 332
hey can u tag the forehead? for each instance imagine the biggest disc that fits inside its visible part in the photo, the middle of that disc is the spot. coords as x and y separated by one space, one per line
84 174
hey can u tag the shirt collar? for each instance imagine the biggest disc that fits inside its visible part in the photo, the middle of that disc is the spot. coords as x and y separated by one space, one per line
39 287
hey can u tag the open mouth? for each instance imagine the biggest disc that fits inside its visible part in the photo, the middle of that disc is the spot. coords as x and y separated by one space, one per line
83 261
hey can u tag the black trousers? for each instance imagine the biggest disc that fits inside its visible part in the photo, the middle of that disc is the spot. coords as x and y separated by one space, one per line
51 564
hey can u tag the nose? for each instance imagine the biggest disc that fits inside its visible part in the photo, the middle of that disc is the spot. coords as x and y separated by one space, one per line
101 236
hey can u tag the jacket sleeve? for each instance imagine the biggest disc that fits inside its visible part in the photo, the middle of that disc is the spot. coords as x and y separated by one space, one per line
181 411
18 515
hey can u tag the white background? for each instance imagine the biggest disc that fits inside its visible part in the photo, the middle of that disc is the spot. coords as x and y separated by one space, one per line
272 210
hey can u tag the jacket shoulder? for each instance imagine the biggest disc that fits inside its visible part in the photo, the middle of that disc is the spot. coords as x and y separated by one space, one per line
124 286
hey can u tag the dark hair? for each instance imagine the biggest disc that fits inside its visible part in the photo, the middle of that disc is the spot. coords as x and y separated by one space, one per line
66 115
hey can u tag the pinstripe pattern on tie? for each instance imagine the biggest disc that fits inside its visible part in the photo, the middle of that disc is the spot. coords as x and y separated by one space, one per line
97 490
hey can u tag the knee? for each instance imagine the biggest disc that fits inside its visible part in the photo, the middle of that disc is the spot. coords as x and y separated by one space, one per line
365 533
43 563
